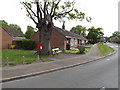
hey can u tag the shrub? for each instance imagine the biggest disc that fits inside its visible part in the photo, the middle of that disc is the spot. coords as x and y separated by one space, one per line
81 49
63 50
26 44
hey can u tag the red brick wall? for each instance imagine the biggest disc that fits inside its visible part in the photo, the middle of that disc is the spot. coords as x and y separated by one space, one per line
6 39
57 39
36 37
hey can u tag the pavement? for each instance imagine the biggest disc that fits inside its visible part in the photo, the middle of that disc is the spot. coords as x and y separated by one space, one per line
62 61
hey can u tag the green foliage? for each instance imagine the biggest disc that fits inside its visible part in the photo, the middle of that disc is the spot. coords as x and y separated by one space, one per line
115 37
81 49
104 50
4 23
79 30
30 32
116 33
57 9
26 44
15 26
63 50
94 34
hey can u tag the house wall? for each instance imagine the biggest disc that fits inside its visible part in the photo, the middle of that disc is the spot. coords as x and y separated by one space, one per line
6 39
74 42
36 37
57 40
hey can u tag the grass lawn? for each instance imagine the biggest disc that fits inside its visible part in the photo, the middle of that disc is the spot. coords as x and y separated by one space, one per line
75 51
15 57
87 49
0 55
104 50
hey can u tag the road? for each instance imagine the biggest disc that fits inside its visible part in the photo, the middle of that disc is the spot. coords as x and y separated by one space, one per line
97 74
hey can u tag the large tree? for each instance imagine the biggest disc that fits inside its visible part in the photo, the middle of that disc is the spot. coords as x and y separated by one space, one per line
79 29
42 12
94 34
29 33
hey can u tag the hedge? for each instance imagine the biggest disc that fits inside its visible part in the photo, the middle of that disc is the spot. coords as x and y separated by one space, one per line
26 44
81 49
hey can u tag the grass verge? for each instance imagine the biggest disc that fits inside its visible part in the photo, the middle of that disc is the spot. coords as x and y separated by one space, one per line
76 51
104 49
14 57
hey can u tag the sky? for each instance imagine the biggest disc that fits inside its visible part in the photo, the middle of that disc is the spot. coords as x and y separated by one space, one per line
104 14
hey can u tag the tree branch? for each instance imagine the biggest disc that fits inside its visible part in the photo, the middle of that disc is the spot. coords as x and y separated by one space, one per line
45 9
58 2
64 12
54 9
30 14
30 9
38 11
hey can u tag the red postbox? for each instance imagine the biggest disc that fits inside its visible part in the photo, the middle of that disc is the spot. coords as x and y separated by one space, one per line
40 46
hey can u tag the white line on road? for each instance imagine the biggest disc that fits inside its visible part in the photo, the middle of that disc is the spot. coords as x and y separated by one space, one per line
108 59
103 88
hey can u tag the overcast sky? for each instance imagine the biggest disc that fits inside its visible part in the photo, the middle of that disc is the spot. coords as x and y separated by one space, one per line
104 14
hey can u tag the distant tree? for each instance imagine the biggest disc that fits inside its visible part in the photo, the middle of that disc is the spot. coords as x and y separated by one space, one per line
15 26
30 31
79 29
116 37
3 23
94 34
116 33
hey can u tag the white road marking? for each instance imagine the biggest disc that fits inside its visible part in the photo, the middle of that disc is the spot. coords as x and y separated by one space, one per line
108 59
103 88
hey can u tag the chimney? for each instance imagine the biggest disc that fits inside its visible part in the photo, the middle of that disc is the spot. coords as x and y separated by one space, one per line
63 26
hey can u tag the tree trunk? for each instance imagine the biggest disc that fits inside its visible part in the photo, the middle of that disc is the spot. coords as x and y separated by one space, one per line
44 37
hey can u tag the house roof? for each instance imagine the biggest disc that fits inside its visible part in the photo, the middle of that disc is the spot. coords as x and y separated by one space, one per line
12 32
69 34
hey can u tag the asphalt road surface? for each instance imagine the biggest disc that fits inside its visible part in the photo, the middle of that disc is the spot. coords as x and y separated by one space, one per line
97 74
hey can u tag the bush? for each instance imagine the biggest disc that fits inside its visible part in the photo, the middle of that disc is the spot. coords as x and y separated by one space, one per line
63 50
26 44
81 49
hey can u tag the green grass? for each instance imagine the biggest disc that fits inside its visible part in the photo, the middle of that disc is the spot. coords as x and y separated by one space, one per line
87 49
0 55
71 51
45 59
75 51
15 57
104 50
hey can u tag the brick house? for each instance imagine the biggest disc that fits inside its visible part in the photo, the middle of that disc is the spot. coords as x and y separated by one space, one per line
61 37
8 35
